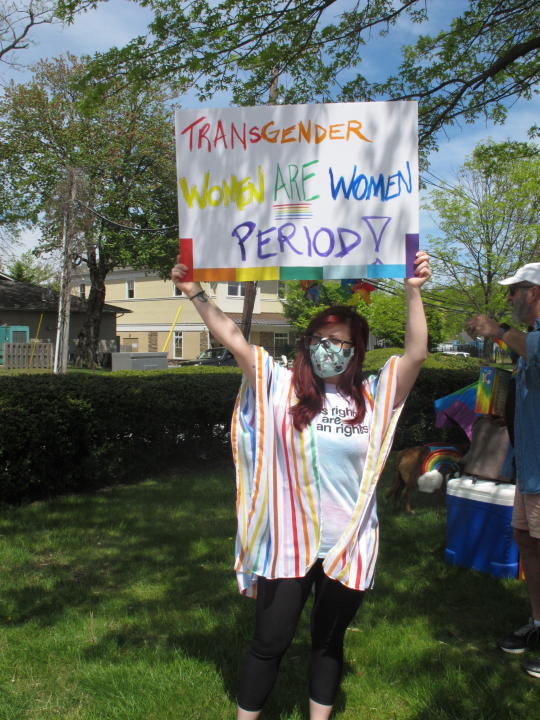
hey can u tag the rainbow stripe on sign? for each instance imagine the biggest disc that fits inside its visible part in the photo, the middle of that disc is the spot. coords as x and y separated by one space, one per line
292 211
334 272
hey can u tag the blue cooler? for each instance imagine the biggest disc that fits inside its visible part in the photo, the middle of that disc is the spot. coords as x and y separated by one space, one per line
479 531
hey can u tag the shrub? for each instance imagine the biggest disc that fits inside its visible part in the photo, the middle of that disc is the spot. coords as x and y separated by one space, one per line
83 430
439 376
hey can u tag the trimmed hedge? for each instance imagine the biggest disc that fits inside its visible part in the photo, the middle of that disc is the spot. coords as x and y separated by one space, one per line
80 431
440 375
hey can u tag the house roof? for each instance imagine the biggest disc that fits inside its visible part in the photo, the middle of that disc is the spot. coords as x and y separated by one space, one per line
23 296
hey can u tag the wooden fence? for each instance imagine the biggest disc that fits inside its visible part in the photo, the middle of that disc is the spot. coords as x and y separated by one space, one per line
34 354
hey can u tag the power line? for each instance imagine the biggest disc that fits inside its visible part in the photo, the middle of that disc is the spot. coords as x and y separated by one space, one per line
457 310
443 260
121 225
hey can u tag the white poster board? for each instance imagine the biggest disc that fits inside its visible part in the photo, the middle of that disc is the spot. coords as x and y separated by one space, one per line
299 191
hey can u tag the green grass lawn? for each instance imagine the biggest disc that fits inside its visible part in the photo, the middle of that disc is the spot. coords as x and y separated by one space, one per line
123 606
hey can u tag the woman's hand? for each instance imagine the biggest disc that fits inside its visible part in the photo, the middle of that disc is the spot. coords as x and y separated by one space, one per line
422 271
177 275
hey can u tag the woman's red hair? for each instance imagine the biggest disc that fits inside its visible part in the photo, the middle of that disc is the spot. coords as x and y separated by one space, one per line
309 388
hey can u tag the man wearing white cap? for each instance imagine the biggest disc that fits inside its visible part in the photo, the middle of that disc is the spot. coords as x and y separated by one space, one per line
524 295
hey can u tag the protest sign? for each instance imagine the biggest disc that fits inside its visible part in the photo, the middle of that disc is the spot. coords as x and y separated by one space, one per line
298 192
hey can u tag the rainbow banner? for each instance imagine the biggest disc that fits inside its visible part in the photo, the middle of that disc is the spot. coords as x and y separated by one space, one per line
493 386
298 192
458 407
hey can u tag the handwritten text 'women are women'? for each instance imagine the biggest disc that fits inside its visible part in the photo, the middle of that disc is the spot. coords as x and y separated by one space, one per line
295 182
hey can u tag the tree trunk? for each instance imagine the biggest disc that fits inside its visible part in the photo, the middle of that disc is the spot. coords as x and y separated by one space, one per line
86 353
247 309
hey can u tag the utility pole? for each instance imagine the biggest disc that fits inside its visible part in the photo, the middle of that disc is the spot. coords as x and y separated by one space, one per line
251 286
250 289
64 300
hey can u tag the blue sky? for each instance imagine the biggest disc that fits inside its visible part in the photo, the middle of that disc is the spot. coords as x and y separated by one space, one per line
117 21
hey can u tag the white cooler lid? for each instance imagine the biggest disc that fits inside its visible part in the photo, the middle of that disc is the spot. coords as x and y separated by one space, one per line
481 490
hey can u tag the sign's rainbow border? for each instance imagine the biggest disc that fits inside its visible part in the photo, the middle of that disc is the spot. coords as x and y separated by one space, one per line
327 272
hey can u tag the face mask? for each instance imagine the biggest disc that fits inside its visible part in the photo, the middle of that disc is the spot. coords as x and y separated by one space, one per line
327 360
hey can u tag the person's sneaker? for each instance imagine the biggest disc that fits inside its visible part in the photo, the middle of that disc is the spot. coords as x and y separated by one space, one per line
532 667
526 638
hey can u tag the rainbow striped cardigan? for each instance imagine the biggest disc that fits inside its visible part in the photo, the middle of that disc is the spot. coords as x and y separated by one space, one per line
278 484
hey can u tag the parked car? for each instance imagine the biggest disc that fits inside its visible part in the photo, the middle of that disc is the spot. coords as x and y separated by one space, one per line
458 353
219 356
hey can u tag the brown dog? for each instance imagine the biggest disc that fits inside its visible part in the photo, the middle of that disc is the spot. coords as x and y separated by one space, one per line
422 461
408 467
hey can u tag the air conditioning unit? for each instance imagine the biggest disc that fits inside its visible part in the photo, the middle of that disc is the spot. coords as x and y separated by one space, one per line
13 334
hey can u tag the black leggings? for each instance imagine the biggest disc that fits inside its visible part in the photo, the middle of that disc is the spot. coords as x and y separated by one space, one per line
279 605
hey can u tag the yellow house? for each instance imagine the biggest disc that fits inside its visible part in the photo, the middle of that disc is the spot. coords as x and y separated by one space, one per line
154 303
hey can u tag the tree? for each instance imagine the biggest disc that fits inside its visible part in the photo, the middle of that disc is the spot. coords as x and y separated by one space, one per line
386 317
301 304
488 223
28 269
488 57
448 302
17 20
386 313
6 241
123 152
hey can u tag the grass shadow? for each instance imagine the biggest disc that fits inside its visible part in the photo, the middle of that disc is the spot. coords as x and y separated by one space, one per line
146 571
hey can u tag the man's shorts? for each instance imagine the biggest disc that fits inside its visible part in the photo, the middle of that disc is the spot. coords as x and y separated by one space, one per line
526 513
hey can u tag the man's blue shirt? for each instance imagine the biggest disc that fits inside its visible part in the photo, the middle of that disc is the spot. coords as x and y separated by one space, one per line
527 417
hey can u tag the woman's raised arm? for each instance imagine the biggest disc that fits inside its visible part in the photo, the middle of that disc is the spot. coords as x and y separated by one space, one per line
222 327
416 334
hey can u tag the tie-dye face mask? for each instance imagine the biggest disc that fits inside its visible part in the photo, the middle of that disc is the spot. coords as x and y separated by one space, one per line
328 360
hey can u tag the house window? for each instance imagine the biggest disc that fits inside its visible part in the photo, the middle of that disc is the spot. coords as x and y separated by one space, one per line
236 289
130 289
282 289
176 291
82 291
178 344
129 344
281 342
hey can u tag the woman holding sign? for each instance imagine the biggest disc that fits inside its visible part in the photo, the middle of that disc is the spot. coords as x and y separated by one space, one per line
309 446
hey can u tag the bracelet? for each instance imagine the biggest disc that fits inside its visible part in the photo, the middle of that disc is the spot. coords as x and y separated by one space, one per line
201 292
502 330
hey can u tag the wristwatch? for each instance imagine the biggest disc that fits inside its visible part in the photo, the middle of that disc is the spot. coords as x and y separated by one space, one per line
502 329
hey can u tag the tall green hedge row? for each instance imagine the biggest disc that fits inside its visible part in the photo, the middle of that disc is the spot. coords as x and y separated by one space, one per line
81 431
440 375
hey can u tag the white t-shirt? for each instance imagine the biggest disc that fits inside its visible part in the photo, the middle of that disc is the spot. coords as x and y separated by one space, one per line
341 454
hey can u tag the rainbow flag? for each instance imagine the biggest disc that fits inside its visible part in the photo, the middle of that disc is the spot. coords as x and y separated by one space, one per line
458 407
493 386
